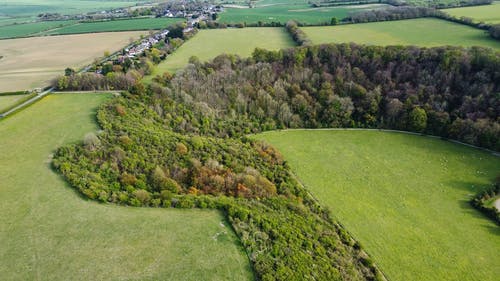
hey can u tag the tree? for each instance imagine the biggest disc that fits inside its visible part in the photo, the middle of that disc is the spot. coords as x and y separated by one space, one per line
334 21
495 31
69 71
417 119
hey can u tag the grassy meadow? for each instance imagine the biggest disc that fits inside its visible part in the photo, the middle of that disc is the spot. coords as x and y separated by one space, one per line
404 197
116 25
49 232
284 12
425 32
27 65
208 44
485 13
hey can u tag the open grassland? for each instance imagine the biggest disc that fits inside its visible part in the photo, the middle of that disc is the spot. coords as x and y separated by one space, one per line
117 25
404 197
35 7
486 13
7 101
32 62
23 30
49 232
208 44
303 13
419 32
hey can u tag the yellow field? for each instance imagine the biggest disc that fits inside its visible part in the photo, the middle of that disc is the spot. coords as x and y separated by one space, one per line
32 62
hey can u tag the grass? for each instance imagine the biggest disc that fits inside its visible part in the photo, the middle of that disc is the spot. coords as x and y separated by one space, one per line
48 232
404 197
208 44
7 101
32 62
117 25
424 32
303 13
486 13
35 7
26 29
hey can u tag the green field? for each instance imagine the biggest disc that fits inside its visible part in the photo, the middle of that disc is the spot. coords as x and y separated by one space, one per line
419 32
73 27
7 101
117 25
434 3
303 13
404 197
8 21
35 7
26 29
485 13
208 44
49 232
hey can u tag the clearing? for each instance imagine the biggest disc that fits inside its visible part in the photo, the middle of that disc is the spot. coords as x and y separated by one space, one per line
49 232
26 64
484 13
208 44
426 32
404 197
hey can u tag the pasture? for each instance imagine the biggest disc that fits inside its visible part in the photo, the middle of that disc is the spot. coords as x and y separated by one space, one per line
49 232
26 64
486 13
117 25
303 13
424 32
404 197
208 44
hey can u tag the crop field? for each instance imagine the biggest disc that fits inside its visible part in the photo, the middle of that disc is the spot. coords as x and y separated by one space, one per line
26 64
208 44
22 30
404 197
117 25
35 7
18 20
419 32
49 232
284 12
486 13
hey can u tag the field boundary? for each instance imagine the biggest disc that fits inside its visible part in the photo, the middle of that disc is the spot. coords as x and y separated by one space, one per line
26 103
